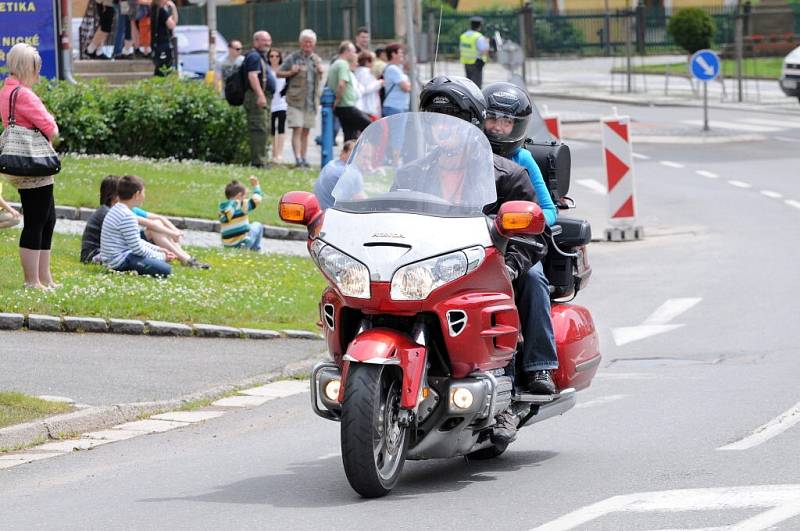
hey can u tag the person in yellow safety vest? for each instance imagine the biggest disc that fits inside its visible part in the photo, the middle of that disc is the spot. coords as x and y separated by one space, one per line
474 48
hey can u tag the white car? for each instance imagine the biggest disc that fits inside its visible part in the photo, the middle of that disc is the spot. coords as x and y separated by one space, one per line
790 76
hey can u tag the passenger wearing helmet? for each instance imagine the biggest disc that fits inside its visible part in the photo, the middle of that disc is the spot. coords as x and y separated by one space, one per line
508 113
460 97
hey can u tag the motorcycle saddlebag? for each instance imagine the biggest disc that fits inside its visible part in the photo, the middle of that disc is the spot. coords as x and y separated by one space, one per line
569 274
554 160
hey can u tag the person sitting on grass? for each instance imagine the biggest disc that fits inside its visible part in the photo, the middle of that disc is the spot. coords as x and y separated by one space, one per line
90 241
121 247
236 230
160 231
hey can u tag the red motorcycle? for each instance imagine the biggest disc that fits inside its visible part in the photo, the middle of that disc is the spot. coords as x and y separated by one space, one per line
419 317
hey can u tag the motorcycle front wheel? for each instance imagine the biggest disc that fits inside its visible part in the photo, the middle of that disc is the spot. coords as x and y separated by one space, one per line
373 442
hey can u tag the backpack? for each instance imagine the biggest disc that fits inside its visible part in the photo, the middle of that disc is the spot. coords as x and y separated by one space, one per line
235 87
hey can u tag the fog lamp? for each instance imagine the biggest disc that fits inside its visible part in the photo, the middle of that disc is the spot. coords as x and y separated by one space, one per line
462 398
332 390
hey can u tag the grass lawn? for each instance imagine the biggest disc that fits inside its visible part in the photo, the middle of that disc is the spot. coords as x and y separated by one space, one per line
760 67
188 188
243 288
16 408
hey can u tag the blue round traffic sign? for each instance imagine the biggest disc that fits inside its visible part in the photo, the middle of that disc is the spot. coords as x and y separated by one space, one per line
705 65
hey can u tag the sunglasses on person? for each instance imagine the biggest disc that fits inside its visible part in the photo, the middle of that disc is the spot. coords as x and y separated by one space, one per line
239 49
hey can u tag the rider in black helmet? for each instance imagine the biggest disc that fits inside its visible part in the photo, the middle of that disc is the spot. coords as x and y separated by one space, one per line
508 114
460 97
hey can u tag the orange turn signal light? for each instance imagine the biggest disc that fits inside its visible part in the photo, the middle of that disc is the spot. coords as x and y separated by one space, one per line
516 220
292 212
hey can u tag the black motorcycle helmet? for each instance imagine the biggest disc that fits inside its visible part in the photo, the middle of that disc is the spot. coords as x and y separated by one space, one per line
454 96
508 111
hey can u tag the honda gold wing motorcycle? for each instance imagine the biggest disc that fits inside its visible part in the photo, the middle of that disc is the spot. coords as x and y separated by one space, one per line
419 315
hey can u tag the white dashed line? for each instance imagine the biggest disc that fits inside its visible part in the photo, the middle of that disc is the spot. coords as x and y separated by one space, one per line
793 203
595 186
739 184
704 173
640 156
771 194
671 164
600 401
771 429
786 139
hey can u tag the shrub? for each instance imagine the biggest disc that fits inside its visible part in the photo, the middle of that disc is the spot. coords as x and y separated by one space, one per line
155 118
557 35
692 29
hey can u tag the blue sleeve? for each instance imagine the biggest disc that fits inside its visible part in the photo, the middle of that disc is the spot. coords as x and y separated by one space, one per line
524 158
139 212
392 74
252 63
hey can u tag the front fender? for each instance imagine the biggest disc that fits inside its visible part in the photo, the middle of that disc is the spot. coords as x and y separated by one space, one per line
384 346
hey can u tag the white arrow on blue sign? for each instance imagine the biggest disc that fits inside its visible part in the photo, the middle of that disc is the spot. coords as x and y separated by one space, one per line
705 65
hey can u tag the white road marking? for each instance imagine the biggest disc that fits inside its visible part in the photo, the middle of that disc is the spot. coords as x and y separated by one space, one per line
771 429
656 323
640 156
736 126
740 184
280 389
593 185
242 401
188 416
600 401
671 309
150 426
774 123
786 139
792 203
771 194
708 174
783 502
625 376
328 456
671 164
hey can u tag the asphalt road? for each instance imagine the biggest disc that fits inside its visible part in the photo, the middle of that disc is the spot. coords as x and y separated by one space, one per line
642 450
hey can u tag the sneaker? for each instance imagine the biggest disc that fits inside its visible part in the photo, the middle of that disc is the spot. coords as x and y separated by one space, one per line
505 428
540 383
197 265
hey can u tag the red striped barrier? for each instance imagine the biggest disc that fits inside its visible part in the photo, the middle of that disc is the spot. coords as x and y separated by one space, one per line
618 163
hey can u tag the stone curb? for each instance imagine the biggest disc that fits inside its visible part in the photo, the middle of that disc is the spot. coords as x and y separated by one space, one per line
197 224
97 418
51 323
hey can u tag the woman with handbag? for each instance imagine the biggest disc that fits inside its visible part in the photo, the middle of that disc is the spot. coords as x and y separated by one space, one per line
23 110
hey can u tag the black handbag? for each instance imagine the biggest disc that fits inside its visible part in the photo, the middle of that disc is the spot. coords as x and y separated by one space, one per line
26 152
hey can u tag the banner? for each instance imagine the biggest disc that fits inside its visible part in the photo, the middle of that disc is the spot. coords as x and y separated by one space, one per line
32 22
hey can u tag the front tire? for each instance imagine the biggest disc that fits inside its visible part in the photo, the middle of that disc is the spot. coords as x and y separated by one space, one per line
373 442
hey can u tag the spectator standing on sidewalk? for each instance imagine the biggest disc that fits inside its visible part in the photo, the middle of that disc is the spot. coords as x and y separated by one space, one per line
36 193
303 72
259 88
105 13
164 20
279 107
123 39
342 81
362 39
474 50
142 23
396 86
232 61
370 100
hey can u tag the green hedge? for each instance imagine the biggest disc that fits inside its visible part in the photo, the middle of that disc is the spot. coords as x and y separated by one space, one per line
156 118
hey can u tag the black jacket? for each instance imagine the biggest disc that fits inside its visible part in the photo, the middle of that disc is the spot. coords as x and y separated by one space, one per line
513 184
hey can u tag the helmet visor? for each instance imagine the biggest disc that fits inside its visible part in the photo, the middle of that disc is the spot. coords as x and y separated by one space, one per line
505 127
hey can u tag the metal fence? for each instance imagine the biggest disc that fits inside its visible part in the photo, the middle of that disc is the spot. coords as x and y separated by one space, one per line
283 19
585 33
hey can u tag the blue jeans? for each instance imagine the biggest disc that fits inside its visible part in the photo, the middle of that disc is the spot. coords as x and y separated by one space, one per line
254 237
533 303
145 266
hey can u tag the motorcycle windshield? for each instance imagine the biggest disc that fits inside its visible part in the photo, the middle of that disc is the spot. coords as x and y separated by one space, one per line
537 130
423 163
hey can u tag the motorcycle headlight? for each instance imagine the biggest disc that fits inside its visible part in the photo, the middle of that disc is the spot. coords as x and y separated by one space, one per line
416 281
350 275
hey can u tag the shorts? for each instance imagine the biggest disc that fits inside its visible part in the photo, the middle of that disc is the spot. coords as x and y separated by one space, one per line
106 15
300 118
278 122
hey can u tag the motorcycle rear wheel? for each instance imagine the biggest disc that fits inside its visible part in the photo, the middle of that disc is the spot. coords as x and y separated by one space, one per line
373 442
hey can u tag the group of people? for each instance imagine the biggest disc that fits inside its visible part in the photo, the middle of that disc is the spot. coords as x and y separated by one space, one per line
143 30
283 90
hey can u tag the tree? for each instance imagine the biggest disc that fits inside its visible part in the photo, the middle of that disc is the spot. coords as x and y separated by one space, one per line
691 29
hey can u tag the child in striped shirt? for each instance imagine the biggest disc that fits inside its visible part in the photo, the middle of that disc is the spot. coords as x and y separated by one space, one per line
121 247
236 230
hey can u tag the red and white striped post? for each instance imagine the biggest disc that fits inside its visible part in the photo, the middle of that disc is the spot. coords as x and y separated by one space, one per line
552 121
618 163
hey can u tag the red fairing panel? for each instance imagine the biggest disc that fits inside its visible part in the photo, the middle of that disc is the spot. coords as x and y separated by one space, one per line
384 343
577 344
